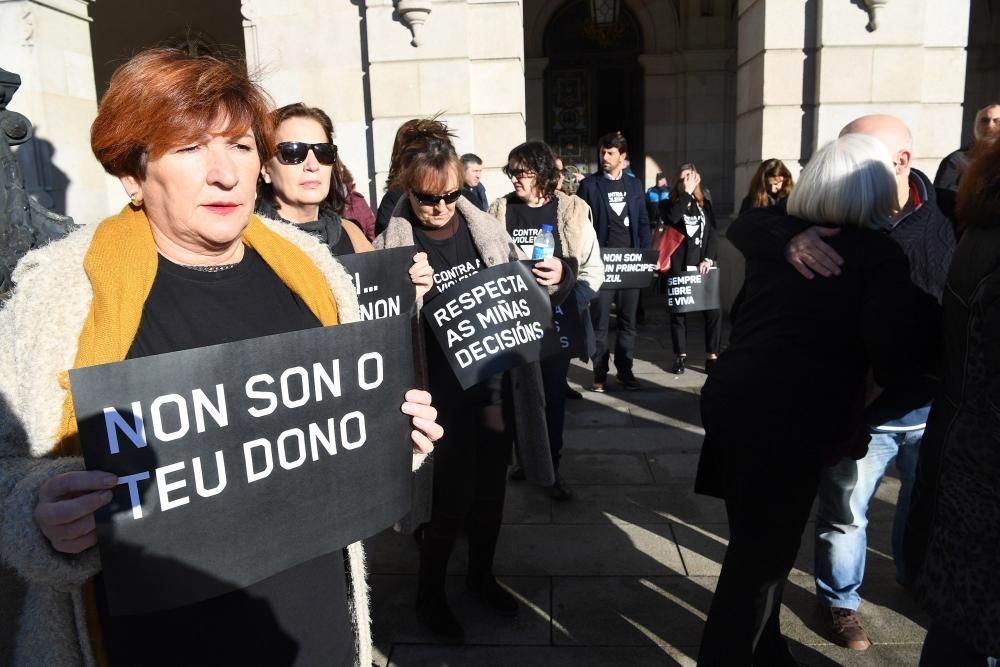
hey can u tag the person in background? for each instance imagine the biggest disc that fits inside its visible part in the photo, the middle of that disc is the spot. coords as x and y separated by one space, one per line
655 196
400 154
356 207
985 131
619 210
300 183
769 427
954 523
470 462
185 264
472 186
536 201
771 183
691 213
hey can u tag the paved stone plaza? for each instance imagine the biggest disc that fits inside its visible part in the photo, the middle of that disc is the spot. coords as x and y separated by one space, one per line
623 573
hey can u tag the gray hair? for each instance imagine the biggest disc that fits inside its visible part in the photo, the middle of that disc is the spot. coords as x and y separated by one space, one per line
850 181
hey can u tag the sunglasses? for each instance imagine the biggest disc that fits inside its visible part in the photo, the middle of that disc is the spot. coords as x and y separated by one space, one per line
295 152
518 173
432 200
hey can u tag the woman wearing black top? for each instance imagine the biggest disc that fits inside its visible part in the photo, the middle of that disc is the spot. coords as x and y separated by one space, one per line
771 183
769 427
299 183
470 462
690 212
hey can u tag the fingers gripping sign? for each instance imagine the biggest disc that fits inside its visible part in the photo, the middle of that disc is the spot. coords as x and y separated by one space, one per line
66 505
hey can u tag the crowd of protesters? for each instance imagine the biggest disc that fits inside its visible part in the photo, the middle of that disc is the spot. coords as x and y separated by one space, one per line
865 332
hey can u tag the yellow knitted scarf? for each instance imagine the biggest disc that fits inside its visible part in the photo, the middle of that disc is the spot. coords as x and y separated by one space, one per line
121 265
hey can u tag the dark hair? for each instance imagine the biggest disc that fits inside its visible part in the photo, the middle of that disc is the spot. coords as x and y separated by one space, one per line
979 191
163 98
413 132
427 158
614 140
677 188
758 184
659 175
341 180
471 158
538 157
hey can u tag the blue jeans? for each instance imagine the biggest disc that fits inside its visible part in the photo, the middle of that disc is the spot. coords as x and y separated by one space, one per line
845 491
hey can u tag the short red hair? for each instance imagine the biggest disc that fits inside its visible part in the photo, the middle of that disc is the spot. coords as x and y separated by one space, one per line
164 98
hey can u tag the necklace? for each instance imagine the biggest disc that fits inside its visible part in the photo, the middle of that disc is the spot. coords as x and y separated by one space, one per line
210 268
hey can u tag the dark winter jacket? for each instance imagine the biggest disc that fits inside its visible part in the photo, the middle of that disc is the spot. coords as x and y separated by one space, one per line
385 209
690 252
476 195
953 533
594 191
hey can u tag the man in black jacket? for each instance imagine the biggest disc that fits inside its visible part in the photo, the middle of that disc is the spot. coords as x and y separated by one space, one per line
620 219
896 421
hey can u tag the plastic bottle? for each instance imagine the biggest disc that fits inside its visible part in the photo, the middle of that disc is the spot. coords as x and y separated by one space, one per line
545 244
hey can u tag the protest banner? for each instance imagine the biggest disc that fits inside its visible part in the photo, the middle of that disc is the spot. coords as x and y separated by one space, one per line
492 321
239 461
382 282
628 268
691 291
567 322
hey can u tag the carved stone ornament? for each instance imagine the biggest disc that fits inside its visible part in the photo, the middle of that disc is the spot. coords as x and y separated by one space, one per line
873 6
413 13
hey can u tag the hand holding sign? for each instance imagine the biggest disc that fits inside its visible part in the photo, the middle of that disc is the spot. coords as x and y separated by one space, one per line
422 274
424 419
66 505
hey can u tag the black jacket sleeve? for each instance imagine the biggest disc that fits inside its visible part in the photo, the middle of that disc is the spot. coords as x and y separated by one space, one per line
763 233
711 250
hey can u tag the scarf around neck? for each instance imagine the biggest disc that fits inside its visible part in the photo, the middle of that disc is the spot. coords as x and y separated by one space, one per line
121 266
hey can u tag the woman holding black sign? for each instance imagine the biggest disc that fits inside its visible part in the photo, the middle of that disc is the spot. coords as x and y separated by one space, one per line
690 212
303 183
470 463
185 265
536 201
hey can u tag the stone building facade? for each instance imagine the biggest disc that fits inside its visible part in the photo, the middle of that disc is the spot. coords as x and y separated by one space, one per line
721 83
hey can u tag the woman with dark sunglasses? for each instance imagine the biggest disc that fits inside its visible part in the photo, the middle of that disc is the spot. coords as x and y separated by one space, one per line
305 184
536 201
471 459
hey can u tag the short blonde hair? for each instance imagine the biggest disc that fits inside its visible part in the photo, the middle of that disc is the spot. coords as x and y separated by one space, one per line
850 181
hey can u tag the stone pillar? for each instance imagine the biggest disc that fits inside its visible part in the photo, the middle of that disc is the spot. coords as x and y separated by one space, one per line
469 65
48 45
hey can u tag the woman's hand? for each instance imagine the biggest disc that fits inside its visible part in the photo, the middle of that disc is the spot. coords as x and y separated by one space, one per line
426 429
704 266
690 181
421 274
66 505
548 271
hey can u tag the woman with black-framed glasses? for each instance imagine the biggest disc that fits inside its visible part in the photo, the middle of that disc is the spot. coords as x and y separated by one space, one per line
480 422
305 184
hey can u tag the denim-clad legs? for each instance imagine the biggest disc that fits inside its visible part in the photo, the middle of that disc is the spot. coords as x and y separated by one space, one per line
845 492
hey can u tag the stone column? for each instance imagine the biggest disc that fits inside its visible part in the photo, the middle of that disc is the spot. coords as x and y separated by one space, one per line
469 65
48 45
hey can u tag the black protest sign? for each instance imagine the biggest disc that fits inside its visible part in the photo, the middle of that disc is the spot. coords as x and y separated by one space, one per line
382 281
628 268
691 291
567 320
239 461
492 321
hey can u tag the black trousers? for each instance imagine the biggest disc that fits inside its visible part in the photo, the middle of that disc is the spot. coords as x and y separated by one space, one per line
770 487
470 481
600 315
713 332
554 371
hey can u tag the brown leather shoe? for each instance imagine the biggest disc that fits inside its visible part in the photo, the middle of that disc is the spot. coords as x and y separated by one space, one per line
846 630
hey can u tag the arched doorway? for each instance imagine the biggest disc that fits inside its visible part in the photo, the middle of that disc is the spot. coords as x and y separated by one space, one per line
593 84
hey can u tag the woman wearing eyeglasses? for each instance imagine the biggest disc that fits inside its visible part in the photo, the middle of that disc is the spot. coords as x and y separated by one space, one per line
536 201
471 459
302 184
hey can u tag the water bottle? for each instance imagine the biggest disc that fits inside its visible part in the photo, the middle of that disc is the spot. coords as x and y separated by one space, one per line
545 244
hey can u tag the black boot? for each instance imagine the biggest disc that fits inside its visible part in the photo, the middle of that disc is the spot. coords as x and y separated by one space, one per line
492 594
679 362
433 611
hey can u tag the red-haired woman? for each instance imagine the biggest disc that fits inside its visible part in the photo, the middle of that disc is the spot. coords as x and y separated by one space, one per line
771 183
185 265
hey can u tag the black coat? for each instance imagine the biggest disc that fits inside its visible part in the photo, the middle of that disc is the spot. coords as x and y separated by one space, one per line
953 535
594 191
796 366
688 253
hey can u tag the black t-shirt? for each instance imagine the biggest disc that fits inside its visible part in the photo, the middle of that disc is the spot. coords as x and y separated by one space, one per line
619 225
524 222
453 258
296 617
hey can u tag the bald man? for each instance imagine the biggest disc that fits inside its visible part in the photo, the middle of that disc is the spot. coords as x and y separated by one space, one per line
985 130
896 422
